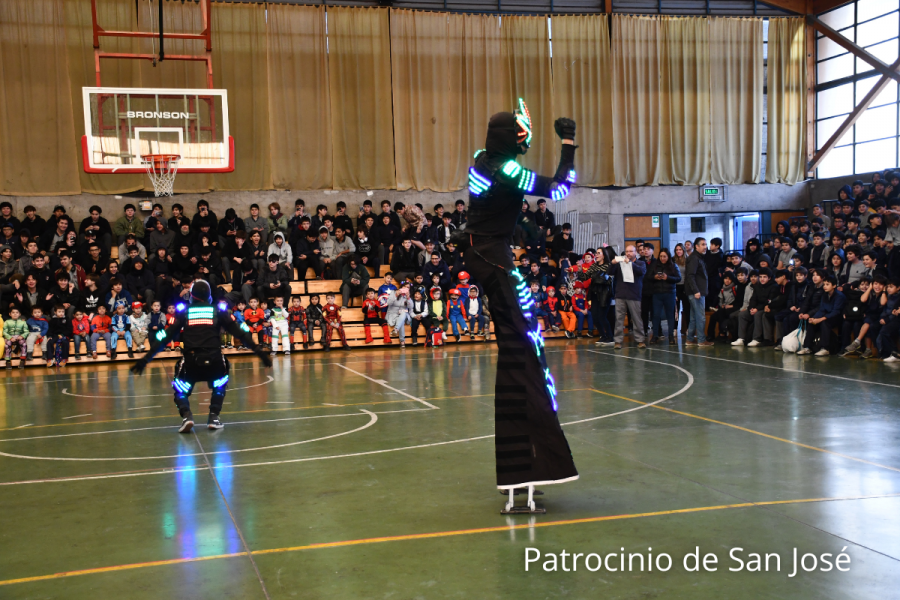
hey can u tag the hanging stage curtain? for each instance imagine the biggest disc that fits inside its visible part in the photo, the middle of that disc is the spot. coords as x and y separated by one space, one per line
37 133
359 68
526 50
299 105
486 74
786 139
239 66
736 73
114 15
428 83
684 101
582 90
636 119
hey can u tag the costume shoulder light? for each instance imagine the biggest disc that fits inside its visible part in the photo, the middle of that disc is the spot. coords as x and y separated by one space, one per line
523 119
478 183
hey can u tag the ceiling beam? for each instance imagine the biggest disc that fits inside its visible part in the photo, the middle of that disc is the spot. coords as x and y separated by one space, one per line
607 6
820 6
854 49
851 118
795 6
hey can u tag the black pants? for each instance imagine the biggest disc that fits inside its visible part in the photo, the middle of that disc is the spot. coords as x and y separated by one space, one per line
823 332
529 443
646 311
210 366
720 318
284 291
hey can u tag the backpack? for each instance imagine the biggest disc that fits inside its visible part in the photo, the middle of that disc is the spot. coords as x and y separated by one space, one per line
793 341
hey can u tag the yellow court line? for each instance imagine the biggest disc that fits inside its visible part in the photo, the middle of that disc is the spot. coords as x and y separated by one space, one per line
436 535
754 432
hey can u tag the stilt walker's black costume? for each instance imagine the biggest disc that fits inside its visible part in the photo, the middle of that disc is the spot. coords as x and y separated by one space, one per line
530 446
198 326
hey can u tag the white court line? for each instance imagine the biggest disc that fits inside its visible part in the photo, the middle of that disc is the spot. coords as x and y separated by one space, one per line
76 416
686 387
22 426
383 383
144 407
799 372
65 391
373 418
279 402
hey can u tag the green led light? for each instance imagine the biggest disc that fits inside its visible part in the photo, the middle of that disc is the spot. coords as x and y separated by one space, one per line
511 168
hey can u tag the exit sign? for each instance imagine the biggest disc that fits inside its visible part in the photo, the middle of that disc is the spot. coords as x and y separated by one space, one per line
713 193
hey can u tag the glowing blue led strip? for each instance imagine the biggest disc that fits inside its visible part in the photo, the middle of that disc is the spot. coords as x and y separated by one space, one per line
537 340
559 191
478 184
571 176
181 386
219 383
160 335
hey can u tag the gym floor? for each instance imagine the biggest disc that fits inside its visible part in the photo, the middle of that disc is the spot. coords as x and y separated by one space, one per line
370 474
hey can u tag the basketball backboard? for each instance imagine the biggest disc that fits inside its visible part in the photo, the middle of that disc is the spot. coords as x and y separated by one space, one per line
122 124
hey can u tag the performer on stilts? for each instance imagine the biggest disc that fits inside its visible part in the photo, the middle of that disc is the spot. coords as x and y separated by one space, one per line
198 325
530 446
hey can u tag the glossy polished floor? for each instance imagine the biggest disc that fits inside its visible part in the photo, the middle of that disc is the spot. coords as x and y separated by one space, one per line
370 475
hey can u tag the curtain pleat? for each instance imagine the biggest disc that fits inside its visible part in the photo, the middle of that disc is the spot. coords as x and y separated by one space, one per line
736 75
582 90
428 79
299 104
37 133
786 102
526 50
684 101
239 66
359 67
486 73
636 118
115 15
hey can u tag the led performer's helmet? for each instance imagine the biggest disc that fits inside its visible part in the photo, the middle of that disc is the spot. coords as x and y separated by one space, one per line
200 293
523 127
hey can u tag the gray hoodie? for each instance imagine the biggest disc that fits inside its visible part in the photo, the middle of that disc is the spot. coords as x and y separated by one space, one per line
285 256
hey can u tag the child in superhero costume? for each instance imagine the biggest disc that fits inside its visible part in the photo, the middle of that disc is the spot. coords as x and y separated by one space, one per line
530 446
332 316
198 325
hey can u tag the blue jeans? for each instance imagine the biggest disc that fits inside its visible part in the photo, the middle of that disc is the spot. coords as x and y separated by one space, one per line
697 325
457 320
664 306
584 319
114 338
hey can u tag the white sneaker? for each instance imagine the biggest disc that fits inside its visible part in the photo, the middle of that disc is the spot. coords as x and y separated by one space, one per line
804 351
753 344
823 352
738 342
891 359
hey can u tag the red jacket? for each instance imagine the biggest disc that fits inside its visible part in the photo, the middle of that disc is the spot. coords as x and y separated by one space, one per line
82 327
332 313
371 308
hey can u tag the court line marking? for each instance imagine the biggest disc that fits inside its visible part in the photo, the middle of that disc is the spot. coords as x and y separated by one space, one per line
382 383
686 387
76 416
145 407
801 372
373 418
230 423
269 379
441 534
754 432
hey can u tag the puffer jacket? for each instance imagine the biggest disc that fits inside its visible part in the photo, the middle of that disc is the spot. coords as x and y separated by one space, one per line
663 286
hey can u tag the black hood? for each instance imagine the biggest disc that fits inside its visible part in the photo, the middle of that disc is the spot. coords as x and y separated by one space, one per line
501 136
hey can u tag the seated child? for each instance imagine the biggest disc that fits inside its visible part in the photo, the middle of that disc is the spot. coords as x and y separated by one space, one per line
37 332
475 310
297 321
315 318
552 319
332 314
120 327
15 332
81 331
372 316
255 318
58 334
456 315
140 327
100 329
278 319
583 315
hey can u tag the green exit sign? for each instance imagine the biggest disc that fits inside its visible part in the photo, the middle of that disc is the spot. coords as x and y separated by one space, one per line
712 193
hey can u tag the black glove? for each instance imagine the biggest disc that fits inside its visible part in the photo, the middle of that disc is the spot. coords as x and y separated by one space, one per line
139 367
261 353
565 128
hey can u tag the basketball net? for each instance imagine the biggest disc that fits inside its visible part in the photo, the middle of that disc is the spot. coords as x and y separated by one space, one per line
161 168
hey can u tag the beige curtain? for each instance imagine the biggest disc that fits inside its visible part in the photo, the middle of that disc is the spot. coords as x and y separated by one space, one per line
180 17
114 15
299 105
359 68
428 87
636 119
684 101
736 74
486 91
239 66
582 90
526 50
786 102
37 133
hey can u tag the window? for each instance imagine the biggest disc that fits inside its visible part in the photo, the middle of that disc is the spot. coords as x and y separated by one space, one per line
842 81
673 225
698 224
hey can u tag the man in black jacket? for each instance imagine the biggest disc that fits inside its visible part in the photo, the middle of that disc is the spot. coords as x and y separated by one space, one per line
696 287
274 281
404 262
99 226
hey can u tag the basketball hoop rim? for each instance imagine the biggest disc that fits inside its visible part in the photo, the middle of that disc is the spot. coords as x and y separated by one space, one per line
160 163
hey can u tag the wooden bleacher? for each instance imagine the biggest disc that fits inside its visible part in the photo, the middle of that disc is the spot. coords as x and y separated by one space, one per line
352 317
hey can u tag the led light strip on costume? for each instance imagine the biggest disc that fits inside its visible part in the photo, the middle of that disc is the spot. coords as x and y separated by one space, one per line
219 383
181 386
201 315
478 184
523 118
526 302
